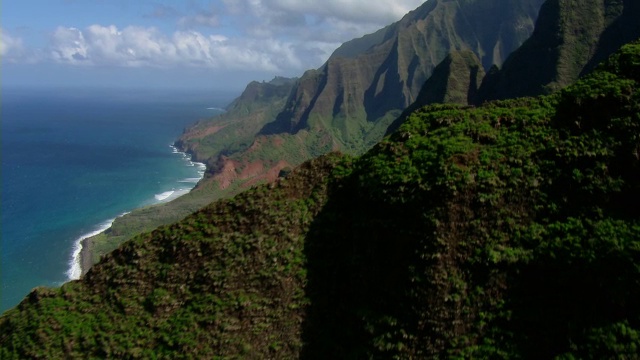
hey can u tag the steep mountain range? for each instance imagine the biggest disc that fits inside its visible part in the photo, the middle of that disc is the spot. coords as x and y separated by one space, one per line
508 230
570 38
350 102
355 98
346 105
502 229
360 93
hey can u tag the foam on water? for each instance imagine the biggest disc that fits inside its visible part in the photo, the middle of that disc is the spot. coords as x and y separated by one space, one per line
60 149
217 109
75 267
190 180
163 196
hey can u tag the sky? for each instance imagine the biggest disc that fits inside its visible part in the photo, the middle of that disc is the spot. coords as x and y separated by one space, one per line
221 44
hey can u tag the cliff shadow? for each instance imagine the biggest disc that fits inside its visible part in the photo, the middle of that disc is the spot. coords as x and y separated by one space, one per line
360 261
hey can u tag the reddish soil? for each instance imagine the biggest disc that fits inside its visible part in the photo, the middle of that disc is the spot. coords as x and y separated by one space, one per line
277 141
248 174
200 133
270 175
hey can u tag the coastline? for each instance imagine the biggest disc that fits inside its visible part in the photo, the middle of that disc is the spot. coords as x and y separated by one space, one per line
83 253
86 256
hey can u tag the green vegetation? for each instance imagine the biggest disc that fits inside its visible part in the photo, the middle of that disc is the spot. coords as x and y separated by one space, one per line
226 281
235 130
509 231
358 95
346 105
570 39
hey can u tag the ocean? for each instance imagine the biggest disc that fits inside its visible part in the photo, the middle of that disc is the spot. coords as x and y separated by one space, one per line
75 159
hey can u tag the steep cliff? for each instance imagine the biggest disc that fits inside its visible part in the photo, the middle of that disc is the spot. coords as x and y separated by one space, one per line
360 93
235 130
456 80
505 231
349 102
570 38
372 79
347 105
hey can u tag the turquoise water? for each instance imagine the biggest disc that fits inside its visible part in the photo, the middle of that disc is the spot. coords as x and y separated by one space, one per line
73 160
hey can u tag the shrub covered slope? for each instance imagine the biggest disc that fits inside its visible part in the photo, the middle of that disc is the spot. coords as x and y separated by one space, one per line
511 230
355 98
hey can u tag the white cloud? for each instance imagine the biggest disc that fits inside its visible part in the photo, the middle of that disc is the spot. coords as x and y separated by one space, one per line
355 11
362 14
276 36
330 22
10 46
138 46
68 45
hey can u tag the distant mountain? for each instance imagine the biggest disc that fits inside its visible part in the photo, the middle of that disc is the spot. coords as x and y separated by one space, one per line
236 129
346 105
509 230
354 98
349 102
570 38
360 93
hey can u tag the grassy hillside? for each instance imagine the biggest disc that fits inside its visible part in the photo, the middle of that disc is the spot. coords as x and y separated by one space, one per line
505 231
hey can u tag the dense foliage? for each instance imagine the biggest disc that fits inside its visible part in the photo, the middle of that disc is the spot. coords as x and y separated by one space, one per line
505 231
509 230
357 96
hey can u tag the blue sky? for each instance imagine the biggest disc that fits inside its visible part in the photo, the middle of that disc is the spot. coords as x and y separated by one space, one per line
219 44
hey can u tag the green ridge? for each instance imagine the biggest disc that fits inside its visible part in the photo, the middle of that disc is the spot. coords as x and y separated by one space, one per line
238 127
346 105
570 38
505 231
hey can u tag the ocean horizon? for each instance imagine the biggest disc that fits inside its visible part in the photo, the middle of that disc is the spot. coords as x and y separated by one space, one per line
73 160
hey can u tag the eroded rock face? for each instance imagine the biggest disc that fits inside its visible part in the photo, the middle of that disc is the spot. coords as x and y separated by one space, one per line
371 77
349 102
569 40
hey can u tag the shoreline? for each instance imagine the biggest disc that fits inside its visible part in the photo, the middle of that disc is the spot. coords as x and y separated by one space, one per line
86 256
82 255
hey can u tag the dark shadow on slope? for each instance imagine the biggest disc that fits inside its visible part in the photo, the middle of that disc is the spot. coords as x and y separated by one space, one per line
385 92
528 69
364 274
287 121
453 81
358 275
624 30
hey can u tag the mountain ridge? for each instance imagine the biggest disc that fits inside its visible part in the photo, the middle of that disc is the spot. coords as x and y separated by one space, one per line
326 110
264 142
508 230
562 48
348 103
